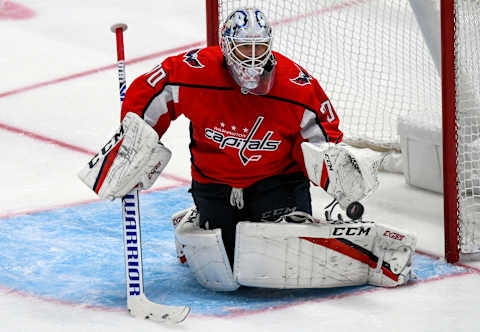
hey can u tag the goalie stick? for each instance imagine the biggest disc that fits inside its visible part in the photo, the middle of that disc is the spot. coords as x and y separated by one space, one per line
138 304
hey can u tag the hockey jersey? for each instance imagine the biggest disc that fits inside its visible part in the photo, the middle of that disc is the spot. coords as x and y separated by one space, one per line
235 138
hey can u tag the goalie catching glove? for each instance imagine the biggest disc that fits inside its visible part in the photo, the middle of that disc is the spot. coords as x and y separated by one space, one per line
134 156
340 173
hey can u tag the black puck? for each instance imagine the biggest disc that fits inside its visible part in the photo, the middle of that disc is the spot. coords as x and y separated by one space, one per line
355 210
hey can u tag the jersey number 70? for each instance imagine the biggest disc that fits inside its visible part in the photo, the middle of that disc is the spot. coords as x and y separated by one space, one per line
327 107
156 75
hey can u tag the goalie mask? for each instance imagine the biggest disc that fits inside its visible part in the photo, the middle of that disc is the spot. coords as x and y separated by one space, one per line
246 42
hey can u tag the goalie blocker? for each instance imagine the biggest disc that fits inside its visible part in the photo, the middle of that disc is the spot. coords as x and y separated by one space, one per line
312 254
133 156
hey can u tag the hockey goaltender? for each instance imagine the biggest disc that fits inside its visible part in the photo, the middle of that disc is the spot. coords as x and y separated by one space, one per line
262 130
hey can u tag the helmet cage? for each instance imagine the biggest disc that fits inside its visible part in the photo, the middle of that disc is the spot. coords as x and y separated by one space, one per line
247 67
242 58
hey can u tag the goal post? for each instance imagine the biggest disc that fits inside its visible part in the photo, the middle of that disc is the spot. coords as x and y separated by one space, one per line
379 60
461 126
450 203
212 22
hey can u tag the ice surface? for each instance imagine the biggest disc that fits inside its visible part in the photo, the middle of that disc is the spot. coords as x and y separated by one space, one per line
59 272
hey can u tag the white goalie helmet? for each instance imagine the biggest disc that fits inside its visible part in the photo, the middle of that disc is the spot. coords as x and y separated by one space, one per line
246 42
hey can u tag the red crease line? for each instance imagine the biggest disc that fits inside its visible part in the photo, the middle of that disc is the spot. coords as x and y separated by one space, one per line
45 139
98 70
411 283
61 206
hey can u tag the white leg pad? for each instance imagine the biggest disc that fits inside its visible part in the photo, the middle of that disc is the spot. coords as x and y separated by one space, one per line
308 255
394 250
188 215
206 256
286 255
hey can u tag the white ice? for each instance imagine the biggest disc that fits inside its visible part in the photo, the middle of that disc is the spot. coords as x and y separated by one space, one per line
67 37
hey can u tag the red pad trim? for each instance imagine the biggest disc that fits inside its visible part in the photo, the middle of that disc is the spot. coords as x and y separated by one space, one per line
107 163
347 250
324 181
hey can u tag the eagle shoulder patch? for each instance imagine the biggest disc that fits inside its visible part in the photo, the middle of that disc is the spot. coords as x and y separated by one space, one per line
191 59
303 77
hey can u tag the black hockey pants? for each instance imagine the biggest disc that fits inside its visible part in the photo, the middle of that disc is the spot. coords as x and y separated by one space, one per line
265 200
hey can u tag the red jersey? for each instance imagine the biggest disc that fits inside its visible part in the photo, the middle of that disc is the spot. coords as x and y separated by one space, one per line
236 139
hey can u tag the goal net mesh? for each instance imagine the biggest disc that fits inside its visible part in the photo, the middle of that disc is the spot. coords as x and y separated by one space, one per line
467 86
368 55
373 62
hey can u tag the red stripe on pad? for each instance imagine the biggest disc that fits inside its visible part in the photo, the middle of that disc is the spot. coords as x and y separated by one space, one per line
324 178
107 164
345 249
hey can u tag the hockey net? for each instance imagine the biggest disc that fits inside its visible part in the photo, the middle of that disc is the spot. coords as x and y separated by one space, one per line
461 125
369 56
376 63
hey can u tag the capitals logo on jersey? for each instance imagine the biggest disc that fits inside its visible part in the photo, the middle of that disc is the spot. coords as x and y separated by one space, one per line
244 143
303 77
191 58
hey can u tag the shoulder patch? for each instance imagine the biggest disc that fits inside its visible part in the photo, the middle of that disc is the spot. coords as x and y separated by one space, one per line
303 77
191 59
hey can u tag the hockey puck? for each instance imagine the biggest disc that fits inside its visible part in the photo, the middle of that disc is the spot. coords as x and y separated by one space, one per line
355 210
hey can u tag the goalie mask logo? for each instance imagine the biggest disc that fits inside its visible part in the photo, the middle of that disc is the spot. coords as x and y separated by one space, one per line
191 59
303 77
244 143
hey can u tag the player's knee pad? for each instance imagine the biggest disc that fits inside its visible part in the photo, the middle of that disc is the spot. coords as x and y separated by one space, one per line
204 252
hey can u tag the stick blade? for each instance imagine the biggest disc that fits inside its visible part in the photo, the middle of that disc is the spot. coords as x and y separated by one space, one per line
142 308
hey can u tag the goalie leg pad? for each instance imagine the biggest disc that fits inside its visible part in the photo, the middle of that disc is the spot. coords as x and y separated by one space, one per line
287 255
206 256
394 249
309 255
187 215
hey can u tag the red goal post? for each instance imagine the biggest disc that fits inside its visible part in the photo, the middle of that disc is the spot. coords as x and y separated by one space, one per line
450 202
377 63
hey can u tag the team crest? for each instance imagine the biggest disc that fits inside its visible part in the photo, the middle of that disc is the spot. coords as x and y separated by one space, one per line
303 78
191 58
246 144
